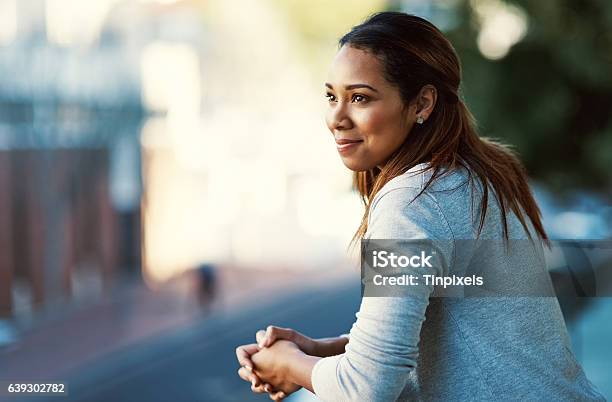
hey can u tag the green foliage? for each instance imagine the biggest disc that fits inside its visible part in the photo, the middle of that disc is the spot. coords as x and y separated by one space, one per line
551 96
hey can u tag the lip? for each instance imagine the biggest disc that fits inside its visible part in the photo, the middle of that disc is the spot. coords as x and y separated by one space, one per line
342 141
345 145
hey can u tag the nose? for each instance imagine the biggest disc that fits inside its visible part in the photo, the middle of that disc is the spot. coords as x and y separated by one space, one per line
338 117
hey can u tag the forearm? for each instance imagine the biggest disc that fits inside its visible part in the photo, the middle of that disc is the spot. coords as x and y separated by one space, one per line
299 369
325 347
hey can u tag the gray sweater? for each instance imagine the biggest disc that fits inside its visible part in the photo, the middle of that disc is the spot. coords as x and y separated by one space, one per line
461 348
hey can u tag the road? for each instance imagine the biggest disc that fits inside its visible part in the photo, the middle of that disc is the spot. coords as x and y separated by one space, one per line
198 363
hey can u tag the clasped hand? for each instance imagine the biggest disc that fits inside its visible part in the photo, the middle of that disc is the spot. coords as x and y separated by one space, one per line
264 363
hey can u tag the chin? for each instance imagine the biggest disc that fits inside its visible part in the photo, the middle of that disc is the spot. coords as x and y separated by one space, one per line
356 165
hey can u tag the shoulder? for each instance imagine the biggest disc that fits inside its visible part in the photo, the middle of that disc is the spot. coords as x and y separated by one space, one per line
401 209
405 212
405 197
417 177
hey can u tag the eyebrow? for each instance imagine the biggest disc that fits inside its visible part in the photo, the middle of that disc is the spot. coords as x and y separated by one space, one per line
352 86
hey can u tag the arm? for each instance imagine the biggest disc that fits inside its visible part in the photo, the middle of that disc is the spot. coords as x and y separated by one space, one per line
321 347
383 345
325 347
299 369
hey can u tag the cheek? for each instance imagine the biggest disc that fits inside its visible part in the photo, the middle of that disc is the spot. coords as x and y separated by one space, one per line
373 123
381 124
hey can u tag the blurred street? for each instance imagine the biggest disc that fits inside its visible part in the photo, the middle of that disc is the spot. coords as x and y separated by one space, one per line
190 356
191 359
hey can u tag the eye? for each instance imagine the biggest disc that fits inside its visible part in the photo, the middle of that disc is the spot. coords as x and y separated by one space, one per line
358 98
330 97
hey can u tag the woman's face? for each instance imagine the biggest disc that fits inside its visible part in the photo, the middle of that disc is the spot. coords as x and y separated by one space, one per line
366 114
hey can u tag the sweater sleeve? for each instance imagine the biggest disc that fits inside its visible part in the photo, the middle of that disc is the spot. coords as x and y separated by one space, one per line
383 344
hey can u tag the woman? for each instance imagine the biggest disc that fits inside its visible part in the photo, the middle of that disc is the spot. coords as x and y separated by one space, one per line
424 173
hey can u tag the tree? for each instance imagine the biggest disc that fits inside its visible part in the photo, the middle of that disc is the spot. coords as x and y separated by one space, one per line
551 96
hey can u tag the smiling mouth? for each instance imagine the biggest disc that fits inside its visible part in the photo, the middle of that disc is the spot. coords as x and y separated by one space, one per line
344 146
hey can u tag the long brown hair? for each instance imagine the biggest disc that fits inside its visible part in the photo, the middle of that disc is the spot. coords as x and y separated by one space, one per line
415 53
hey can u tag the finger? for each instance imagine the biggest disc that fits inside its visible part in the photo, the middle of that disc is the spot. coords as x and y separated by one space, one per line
248 376
278 396
242 373
258 388
259 336
256 384
244 352
273 333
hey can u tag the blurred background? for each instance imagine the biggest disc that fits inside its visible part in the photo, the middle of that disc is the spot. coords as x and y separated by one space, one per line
168 185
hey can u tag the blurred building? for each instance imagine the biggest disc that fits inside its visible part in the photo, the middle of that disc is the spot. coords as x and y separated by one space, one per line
71 112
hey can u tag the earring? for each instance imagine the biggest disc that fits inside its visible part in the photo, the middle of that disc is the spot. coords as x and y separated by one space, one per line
419 119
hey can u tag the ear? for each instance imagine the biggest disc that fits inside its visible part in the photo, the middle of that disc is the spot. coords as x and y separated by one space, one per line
426 101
